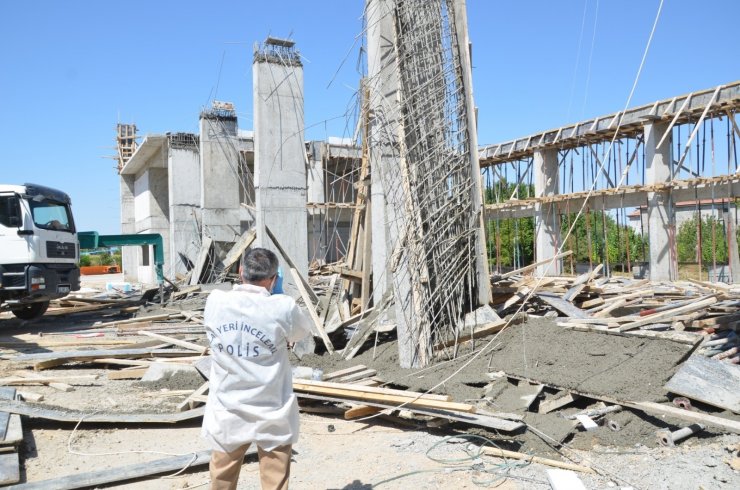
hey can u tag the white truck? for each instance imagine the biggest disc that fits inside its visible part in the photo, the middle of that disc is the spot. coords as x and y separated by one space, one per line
39 249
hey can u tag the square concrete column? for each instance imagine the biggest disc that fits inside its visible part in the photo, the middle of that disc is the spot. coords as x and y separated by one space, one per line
183 164
219 174
546 220
660 212
382 90
315 190
280 152
129 255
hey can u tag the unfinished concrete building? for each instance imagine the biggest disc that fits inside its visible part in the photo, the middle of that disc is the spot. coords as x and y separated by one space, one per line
650 157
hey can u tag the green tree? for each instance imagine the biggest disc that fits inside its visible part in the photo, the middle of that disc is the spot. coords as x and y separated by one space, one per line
713 238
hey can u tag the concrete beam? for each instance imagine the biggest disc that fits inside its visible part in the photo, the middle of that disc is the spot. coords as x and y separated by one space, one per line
602 128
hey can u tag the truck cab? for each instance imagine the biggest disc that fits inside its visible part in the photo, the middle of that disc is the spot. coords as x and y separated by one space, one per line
39 249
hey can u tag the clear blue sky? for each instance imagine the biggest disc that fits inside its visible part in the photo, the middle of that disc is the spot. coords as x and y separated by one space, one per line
71 70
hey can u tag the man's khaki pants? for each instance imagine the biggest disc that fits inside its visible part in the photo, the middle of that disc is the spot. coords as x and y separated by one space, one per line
274 468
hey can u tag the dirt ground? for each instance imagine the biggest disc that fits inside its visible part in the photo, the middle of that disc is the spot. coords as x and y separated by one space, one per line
337 454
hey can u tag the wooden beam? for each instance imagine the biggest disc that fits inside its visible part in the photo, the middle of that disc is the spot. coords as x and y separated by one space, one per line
200 261
498 277
312 312
503 453
476 419
344 391
174 341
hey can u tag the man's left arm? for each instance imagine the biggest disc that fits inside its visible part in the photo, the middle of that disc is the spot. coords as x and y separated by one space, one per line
300 326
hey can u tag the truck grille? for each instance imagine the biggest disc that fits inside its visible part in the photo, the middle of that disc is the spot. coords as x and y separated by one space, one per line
60 250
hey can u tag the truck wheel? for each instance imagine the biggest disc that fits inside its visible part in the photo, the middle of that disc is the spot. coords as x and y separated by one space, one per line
31 311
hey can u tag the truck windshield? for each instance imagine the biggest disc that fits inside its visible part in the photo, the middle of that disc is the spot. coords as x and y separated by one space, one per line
51 215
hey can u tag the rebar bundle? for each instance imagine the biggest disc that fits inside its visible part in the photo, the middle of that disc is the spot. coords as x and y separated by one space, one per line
433 223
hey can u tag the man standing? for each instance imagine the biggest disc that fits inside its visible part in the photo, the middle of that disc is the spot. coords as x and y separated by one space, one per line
251 397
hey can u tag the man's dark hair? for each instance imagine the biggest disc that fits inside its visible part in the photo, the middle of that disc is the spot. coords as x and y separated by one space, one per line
258 264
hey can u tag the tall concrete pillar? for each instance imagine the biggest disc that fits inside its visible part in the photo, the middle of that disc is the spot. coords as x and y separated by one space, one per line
183 165
660 212
219 181
316 193
280 152
382 85
129 255
546 220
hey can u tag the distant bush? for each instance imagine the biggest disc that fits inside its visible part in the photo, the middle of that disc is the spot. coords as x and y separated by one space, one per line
85 260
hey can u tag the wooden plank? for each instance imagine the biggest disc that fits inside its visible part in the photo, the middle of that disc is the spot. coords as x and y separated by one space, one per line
345 272
514 299
174 341
503 453
547 406
360 411
312 311
128 374
671 411
243 243
367 373
658 317
35 411
200 261
653 408
562 306
481 420
482 331
82 355
498 277
680 337
9 469
344 372
590 303
291 265
710 381
398 400
370 389
14 433
190 402
326 300
44 380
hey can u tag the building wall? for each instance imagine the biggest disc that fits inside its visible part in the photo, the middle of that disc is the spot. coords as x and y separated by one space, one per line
184 200
151 202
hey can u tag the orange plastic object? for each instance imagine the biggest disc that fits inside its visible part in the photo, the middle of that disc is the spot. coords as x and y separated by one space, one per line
91 270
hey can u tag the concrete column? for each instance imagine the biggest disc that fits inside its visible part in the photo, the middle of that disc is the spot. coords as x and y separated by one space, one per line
184 188
546 220
316 194
660 212
280 152
128 226
483 274
219 182
384 117
152 211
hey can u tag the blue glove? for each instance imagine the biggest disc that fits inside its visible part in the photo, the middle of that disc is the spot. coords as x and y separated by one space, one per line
278 287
